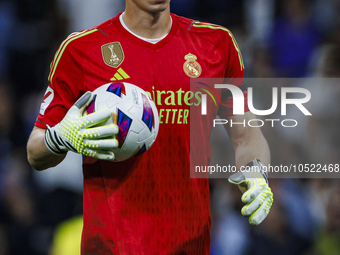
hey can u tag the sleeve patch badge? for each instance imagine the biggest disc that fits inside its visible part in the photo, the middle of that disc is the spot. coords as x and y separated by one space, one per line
47 99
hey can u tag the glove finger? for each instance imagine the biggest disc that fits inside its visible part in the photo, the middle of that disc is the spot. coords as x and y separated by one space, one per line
251 207
105 144
99 132
81 103
99 154
261 213
237 178
96 118
84 100
252 192
240 180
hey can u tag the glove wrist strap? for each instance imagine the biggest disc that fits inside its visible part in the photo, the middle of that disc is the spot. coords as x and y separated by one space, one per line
53 143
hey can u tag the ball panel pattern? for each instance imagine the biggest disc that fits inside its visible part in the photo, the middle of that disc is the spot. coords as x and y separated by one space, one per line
117 88
148 117
124 124
90 109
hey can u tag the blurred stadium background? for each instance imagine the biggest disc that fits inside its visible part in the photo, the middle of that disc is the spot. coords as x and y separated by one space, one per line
40 212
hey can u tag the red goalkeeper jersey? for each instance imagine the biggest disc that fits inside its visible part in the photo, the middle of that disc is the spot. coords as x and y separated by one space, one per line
147 205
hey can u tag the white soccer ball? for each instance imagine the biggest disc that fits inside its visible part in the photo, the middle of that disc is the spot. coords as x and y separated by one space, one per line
135 114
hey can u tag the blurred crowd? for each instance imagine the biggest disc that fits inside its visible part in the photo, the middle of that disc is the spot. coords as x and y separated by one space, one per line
40 212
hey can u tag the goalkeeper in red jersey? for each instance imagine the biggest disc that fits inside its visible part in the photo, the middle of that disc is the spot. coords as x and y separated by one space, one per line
149 204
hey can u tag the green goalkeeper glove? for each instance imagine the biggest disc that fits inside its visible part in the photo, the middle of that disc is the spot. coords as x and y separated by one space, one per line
257 195
82 134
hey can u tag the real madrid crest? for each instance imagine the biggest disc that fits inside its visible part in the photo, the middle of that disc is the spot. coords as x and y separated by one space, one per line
113 54
191 67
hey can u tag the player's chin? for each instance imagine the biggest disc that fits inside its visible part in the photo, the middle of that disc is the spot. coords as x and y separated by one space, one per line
159 5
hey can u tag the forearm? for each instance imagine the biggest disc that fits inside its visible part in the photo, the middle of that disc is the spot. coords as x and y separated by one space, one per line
248 142
256 147
38 155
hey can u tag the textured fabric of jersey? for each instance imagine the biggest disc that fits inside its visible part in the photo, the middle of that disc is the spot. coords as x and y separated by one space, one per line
146 205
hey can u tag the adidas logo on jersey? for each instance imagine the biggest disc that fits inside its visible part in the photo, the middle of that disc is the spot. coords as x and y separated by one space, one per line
120 75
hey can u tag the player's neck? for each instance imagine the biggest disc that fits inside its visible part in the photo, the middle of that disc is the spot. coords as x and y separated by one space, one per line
148 25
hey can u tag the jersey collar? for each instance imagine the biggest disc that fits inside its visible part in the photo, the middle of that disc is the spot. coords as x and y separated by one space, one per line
128 35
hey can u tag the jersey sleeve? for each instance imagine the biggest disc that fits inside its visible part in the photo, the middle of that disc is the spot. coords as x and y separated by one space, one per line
66 81
234 75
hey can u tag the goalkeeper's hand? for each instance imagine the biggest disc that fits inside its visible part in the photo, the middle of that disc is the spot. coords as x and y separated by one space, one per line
82 134
257 195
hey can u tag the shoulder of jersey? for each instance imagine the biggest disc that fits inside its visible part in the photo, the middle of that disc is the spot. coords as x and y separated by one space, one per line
85 39
203 28
217 35
79 42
